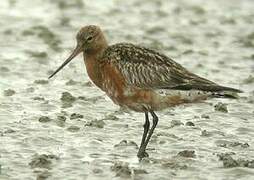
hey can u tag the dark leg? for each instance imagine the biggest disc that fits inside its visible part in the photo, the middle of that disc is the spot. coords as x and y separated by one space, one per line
146 126
143 148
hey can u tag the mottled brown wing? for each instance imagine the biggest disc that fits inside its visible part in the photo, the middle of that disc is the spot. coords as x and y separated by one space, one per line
145 68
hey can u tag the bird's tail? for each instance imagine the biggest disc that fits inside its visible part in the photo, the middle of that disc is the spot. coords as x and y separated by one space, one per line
216 90
206 87
225 92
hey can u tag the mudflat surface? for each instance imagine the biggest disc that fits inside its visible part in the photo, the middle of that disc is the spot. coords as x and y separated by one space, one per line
66 128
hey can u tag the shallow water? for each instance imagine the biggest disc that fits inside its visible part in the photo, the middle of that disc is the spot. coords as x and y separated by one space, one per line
41 137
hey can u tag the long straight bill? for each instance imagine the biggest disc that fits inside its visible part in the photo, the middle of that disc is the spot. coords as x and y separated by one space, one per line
76 51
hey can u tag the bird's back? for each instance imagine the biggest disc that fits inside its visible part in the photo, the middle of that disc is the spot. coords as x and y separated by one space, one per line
139 77
146 68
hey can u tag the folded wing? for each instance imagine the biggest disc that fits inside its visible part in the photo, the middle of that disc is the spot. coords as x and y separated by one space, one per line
145 68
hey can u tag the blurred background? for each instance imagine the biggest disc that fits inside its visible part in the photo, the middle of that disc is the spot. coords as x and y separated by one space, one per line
66 128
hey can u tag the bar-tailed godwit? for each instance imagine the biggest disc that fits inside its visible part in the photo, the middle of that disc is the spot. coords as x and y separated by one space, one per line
139 78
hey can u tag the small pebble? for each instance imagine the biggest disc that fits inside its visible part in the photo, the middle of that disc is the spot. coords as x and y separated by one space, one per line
36 54
249 80
221 107
205 116
44 119
9 92
139 171
83 98
61 121
187 153
97 171
96 123
4 69
30 90
235 144
111 117
124 143
43 175
9 131
229 162
38 98
41 81
76 116
67 97
205 133
61 118
71 83
89 84
73 128
122 169
42 161
173 164
176 123
189 123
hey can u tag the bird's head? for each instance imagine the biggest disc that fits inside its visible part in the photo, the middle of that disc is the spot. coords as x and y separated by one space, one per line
90 40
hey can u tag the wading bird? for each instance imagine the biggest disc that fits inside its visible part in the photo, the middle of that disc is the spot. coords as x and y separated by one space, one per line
139 78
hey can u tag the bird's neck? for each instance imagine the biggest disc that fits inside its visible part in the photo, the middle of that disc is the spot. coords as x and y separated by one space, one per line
92 59
93 68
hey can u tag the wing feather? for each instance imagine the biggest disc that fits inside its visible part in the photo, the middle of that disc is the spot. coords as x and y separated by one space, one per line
145 68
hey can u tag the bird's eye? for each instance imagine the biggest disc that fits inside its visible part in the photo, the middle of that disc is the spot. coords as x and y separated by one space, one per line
89 38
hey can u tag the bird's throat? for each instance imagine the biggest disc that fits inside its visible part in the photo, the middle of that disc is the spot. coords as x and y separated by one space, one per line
93 69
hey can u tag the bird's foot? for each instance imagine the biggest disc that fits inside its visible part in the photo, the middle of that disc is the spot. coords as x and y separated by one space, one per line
142 154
